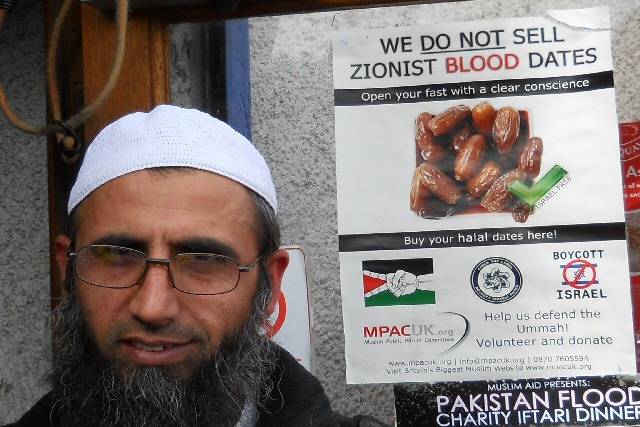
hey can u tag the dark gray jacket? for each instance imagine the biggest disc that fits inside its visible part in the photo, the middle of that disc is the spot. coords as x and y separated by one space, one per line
298 400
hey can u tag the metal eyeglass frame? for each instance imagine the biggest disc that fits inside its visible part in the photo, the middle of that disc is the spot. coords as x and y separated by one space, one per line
164 262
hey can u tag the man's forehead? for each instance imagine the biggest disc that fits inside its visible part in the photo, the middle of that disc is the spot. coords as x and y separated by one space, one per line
158 177
184 202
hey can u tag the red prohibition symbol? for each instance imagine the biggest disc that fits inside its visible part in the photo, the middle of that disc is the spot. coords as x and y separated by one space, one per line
282 314
584 267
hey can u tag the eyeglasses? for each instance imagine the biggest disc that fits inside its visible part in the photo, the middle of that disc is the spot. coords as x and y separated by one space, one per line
110 266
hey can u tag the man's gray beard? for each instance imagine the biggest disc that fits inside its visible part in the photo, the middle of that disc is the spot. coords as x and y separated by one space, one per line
90 391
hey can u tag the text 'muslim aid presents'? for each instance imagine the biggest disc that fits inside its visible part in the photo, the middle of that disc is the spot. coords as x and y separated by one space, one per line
480 210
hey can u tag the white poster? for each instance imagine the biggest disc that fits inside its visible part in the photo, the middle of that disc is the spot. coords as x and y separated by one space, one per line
480 213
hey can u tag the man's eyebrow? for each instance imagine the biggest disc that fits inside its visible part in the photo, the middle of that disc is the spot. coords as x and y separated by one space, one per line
121 239
204 245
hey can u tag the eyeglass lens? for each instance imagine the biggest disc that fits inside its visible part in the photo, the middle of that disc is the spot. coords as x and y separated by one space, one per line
118 267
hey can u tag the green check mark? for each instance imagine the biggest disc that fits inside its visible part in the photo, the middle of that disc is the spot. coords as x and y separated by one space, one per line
530 195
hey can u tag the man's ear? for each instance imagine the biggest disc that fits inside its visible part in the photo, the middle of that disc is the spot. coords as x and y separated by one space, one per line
62 244
276 266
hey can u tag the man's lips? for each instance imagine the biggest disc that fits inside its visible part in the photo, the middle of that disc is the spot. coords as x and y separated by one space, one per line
156 351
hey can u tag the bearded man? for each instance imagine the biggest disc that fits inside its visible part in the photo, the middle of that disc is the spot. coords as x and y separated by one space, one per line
171 265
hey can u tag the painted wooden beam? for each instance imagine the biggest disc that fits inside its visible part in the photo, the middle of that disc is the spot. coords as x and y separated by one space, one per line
144 79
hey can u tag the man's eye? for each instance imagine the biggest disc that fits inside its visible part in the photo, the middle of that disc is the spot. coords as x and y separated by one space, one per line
202 263
204 258
113 256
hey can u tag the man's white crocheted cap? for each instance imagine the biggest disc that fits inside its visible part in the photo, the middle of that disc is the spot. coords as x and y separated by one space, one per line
171 136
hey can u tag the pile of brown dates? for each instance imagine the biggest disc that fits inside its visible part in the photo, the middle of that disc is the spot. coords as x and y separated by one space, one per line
467 158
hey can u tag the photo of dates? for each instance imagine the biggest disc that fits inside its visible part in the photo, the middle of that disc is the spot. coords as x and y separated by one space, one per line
466 158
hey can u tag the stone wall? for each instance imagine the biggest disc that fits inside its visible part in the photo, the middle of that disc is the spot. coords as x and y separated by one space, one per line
24 222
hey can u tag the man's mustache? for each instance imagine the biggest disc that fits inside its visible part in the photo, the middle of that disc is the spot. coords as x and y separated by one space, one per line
172 331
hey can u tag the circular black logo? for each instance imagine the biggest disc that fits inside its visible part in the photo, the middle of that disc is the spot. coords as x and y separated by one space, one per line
496 280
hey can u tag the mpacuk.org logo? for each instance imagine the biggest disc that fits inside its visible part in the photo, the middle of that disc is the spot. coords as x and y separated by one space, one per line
441 336
496 280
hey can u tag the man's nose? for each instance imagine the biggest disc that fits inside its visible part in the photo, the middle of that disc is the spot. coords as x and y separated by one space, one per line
155 299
